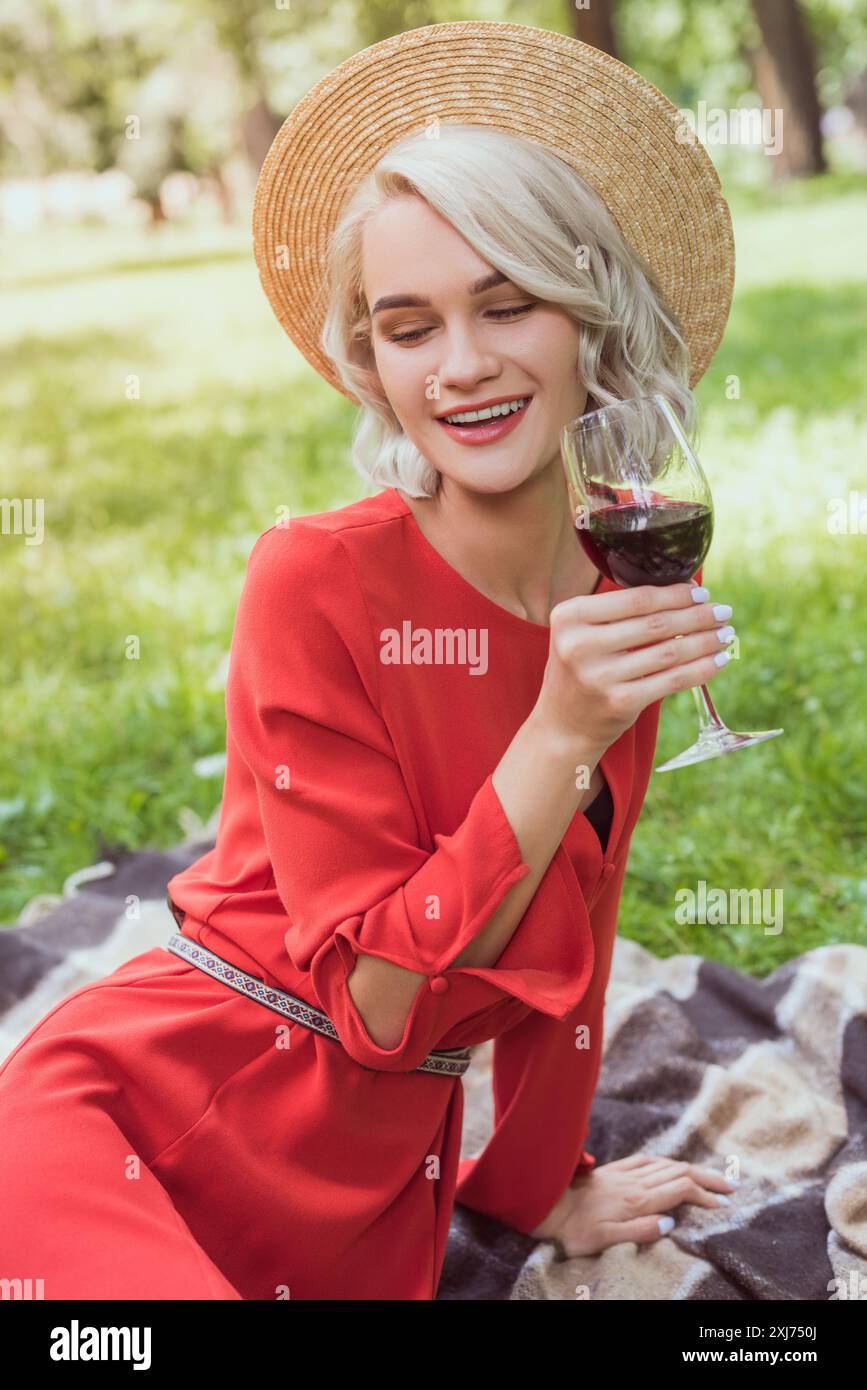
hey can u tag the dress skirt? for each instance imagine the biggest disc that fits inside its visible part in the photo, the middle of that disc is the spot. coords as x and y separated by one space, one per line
164 1137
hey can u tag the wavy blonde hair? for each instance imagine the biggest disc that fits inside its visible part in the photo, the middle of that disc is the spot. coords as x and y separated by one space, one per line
528 225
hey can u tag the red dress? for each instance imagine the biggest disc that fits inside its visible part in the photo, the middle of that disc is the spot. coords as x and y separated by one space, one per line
358 815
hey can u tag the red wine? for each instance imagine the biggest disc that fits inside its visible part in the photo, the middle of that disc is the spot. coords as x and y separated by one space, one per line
662 544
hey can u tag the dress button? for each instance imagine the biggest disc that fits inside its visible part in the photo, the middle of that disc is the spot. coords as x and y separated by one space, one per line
439 984
608 870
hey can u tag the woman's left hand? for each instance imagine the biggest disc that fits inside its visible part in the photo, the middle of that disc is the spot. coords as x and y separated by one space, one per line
623 1201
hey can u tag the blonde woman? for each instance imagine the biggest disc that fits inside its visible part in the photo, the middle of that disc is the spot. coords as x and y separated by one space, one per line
407 864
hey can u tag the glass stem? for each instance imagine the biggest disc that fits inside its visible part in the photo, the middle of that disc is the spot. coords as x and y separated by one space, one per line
709 721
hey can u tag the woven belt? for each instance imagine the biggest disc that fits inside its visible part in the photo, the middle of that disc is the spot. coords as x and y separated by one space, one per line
453 1062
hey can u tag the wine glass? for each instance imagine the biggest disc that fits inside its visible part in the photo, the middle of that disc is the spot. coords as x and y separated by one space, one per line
644 515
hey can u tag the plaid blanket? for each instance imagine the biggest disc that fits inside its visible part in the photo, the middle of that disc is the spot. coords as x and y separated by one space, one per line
701 1063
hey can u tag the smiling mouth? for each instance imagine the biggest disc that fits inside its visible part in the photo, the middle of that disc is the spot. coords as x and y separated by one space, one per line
492 415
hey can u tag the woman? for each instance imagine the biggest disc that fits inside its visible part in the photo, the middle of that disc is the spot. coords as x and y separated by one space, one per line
441 726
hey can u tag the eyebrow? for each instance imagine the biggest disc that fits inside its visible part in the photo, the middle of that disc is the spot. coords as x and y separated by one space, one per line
418 301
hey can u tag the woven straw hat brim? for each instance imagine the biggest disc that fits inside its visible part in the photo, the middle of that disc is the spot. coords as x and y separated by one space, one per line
610 124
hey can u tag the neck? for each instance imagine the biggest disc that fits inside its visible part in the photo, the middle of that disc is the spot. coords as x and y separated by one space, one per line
519 548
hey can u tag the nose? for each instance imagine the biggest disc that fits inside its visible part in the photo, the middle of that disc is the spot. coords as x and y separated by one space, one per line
465 360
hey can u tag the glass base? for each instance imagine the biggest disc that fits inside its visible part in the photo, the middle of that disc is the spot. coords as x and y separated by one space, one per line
712 744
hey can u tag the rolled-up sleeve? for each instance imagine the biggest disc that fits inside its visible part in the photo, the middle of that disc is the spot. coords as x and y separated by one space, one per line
342 836
543 1085
545 1074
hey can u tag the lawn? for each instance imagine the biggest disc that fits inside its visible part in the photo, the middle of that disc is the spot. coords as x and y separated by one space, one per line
152 400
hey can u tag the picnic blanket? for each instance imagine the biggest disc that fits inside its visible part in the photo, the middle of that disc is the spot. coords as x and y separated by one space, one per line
701 1062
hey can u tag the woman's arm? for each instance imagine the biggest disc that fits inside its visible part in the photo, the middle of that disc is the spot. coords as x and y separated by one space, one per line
535 781
609 659
342 835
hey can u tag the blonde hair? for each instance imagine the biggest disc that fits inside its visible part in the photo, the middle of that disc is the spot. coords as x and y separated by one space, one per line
527 213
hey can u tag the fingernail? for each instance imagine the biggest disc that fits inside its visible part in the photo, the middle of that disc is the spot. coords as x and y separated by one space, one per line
666 1223
721 658
726 1201
725 634
733 1182
722 610
700 595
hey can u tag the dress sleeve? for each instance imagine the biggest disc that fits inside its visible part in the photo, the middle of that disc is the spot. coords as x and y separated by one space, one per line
545 1072
342 837
544 1080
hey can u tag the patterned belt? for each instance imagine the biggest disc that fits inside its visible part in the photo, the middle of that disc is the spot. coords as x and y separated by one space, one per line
453 1062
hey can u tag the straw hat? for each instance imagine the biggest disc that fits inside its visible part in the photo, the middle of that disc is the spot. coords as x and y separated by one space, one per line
612 126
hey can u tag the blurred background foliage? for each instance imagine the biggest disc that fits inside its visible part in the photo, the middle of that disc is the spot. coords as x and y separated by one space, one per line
154 497
209 78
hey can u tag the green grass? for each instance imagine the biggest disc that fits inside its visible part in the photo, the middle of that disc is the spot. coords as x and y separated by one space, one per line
152 505
790 814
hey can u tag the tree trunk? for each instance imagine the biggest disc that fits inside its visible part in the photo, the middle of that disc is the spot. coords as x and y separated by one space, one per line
784 71
259 125
595 25
224 195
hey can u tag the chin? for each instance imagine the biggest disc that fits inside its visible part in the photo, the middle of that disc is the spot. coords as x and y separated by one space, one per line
504 476
488 480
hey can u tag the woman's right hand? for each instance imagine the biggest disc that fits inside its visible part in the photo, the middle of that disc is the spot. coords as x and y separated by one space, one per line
611 655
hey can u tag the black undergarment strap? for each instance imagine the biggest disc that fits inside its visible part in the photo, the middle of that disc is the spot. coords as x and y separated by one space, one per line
600 813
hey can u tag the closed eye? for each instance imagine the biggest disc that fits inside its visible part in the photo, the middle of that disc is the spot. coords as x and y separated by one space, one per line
417 333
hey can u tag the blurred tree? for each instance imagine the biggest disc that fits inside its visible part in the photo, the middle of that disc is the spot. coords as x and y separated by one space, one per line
241 27
839 29
856 100
380 19
207 78
689 49
151 86
64 71
695 50
784 68
593 23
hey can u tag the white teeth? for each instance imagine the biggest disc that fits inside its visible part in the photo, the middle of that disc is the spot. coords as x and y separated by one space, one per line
491 412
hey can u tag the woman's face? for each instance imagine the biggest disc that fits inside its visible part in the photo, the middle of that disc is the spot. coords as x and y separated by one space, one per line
466 348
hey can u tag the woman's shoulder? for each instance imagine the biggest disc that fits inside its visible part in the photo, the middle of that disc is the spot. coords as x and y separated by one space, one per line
302 637
305 545
320 580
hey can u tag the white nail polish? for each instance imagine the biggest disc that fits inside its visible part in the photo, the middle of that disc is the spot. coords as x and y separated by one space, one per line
722 611
700 595
666 1224
725 634
726 1201
721 658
